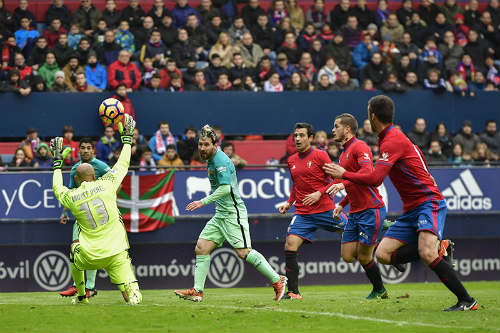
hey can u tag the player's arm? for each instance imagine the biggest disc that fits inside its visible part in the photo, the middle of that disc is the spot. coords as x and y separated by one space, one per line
60 191
390 153
223 174
340 206
120 168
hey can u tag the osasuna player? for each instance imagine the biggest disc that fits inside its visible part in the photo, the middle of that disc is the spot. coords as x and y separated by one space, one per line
230 222
86 148
313 206
102 241
417 232
367 209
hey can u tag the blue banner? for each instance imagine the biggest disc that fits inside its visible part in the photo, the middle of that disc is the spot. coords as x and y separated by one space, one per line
26 196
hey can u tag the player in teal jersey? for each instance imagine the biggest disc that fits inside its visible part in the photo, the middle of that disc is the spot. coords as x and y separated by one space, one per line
86 148
230 222
102 241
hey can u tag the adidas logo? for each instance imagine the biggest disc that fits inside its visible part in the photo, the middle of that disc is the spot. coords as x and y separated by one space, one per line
465 194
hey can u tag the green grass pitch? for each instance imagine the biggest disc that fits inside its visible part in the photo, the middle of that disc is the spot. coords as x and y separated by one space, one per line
411 308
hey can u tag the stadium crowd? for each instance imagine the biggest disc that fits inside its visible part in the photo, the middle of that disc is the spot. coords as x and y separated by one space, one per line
164 149
440 47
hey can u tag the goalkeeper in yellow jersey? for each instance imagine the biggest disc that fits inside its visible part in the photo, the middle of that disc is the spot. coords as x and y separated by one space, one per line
102 242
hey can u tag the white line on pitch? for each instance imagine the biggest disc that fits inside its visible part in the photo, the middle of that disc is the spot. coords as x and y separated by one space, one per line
336 314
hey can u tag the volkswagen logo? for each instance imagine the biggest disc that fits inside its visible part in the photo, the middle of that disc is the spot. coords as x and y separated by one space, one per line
226 269
391 275
52 271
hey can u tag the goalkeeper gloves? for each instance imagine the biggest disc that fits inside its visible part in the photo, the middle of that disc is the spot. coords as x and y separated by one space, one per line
59 154
127 129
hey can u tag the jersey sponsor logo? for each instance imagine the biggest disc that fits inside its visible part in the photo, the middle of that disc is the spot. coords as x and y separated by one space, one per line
384 157
197 184
51 270
227 269
464 193
391 275
221 169
422 223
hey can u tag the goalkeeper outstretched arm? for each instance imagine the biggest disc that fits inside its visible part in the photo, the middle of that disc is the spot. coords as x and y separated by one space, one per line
60 191
120 168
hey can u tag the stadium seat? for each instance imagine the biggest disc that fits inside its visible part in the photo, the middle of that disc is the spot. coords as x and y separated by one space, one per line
40 7
267 149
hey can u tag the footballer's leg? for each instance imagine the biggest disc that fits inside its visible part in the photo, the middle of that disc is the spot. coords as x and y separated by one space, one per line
255 258
292 245
210 237
236 231
372 271
445 272
77 274
90 275
430 225
121 273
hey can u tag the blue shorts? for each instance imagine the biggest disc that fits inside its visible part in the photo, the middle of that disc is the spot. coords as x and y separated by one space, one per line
430 216
364 226
304 226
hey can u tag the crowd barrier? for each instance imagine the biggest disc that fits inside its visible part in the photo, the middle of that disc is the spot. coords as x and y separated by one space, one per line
238 112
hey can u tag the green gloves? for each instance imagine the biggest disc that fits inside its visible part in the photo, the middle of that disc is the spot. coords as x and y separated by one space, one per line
59 154
127 129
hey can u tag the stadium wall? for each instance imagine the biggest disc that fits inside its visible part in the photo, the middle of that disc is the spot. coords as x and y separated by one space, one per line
237 112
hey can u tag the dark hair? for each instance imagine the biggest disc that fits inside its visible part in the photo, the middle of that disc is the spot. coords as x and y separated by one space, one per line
382 107
171 146
439 124
86 140
215 55
489 121
309 127
156 76
121 85
163 122
68 128
347 119
146 150
226 144
190 128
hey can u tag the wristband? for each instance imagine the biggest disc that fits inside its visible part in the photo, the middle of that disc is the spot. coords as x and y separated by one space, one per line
57 164
126 139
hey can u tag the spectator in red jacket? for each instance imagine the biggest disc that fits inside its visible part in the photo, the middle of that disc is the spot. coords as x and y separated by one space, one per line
166 73
124 71
121 95
68 133
25 71
53 31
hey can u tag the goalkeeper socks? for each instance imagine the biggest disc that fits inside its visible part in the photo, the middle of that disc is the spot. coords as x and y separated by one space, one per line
79 278
450 279
373 273
90 275
405 254
292 271
201 271
258 261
